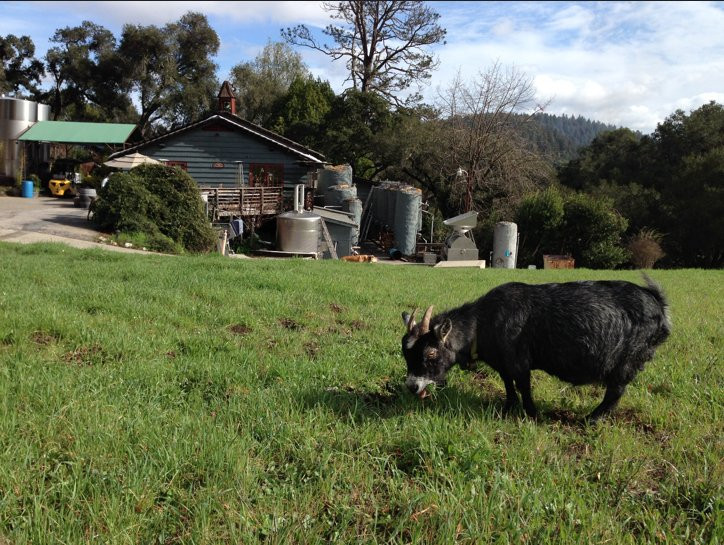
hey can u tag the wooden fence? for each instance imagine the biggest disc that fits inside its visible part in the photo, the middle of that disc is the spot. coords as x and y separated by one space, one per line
244 201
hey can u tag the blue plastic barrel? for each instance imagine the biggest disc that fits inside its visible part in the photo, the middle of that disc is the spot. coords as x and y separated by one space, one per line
28 189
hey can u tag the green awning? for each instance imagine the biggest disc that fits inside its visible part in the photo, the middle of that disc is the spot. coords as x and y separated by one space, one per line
73 132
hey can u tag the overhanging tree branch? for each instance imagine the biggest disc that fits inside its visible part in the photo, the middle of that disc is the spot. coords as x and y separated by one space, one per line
383 44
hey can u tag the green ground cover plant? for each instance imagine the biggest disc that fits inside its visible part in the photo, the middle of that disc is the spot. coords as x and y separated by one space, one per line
201 399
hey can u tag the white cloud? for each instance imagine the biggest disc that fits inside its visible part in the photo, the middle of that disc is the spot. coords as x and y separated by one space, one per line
155 13
627 63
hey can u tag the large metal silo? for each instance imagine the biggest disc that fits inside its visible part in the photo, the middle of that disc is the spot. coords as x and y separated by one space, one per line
16 115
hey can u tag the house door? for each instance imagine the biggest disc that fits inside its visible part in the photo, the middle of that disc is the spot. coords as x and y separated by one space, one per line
266 175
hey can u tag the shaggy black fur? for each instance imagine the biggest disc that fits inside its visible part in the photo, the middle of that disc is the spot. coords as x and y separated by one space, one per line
581 332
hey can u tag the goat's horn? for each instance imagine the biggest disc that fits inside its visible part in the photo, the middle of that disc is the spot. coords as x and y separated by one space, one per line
425 327
411 320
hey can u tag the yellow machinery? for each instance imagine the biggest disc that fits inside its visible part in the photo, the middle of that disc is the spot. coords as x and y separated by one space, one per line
61 186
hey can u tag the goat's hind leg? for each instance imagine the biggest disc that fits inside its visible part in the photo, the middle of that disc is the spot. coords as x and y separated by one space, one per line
610 400
511 396
523 383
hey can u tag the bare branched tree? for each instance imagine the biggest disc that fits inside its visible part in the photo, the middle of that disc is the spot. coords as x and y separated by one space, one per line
482 152
384 44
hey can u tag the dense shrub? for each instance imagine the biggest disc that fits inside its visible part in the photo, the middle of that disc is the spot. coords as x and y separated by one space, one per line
592 231
539 219
162 203
585 227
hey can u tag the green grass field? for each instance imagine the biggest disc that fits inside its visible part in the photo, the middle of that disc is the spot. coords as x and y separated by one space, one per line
151 399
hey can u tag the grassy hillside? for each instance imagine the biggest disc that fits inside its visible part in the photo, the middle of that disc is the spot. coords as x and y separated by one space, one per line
150 399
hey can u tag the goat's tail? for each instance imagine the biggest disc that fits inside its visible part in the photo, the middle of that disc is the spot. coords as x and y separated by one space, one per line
658 293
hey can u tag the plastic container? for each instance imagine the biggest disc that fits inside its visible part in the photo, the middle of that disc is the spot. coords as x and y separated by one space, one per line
28 189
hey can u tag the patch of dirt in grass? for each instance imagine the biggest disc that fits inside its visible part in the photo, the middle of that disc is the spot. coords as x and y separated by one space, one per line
337 329
239 329
482 381
660 389
344 327
407 456
637 421
170 354
44 338
290 324
84 356
312 349
357 325
386 395
334 307
578 450
564 417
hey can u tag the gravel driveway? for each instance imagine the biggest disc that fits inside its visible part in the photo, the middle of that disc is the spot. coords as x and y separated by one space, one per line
49 219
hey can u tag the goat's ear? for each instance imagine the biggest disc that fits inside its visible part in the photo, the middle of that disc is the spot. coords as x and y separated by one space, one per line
443 330
409 320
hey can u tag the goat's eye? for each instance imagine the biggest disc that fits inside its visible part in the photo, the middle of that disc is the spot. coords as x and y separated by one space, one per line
431 354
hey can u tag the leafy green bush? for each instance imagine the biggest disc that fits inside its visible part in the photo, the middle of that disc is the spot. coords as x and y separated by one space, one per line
592 231
161 202
586 227
539 219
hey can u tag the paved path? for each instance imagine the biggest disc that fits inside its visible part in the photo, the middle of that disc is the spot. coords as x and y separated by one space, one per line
49 219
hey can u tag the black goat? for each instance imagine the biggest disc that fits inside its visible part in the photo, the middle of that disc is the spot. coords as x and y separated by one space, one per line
581 332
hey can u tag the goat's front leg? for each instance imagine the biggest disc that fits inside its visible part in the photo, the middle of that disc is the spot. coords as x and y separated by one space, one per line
610 400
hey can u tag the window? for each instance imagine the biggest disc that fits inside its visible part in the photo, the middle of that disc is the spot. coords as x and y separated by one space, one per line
266 174
183 165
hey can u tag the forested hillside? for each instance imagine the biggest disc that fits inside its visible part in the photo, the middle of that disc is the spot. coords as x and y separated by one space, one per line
559 137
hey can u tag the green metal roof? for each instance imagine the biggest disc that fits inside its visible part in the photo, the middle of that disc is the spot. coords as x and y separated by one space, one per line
73 132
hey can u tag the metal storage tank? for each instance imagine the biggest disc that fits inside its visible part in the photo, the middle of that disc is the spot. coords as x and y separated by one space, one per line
407 219
335 195
297 230
393 189
505 245
379 206
16 115
333 175
355 207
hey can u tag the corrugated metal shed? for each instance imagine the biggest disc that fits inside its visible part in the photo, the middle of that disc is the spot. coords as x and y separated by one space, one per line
341 226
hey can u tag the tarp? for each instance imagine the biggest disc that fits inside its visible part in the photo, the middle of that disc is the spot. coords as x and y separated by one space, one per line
74 132
129 161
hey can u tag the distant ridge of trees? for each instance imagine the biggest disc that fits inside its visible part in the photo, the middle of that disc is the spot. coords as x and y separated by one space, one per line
559 137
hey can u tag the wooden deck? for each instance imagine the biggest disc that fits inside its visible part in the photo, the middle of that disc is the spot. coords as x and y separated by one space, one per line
244 201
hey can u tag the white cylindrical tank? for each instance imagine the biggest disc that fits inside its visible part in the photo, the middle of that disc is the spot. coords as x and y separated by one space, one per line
505 245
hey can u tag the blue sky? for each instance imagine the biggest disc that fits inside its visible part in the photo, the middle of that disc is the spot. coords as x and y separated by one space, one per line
627 63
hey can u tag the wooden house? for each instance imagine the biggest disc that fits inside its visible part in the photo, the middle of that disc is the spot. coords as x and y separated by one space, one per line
228 156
